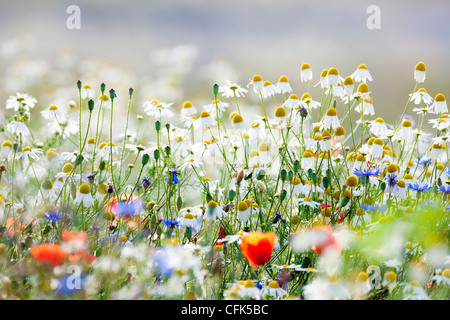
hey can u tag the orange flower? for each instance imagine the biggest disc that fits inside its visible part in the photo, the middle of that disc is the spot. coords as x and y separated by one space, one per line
76 247
323 239
49 253
257 247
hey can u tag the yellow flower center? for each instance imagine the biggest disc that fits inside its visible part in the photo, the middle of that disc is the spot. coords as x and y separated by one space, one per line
274 285
331 112
205 114
439 97
333 71
420 67
324 73
363 88
283 79
187 105
189 216
348 81
53 107
267 83
237 118
257 78
305 66
26 149
7 143
280 112
362 66
85 188
263 147
242 206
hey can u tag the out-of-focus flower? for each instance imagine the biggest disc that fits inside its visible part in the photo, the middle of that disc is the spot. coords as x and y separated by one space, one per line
257 247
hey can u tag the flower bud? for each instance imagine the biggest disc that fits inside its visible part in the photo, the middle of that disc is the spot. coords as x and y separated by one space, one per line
260 174
130 91
231 195
296 166
112 94
188 233
325 182
283 175
156 154
79 84
290 175
91 105
167 150
102 87
157 125
283 194
145 159
215 89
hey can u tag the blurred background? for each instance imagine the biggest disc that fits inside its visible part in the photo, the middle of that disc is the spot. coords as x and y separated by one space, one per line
174 50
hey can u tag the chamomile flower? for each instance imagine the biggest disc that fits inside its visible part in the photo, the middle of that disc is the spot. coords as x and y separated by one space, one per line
6 148
376 150
333 77
440 104
361 74
305 72
273 291
84 196
214 105
269 89
349 85
331 120
283 85
379 128
421 95
443 278
18 127
420 72
104 101
292 102
158 109
405 133
191 163
21 101
366 105
257 83
213 211
307 102
54 112
308 202
243 211
206 121
188 109
87 92
229 90
47 190
323 79
29 154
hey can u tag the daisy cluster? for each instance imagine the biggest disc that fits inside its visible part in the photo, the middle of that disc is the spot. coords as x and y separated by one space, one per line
309 198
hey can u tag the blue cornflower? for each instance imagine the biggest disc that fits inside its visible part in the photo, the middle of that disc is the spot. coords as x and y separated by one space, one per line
445 188
174 176
429 203
129 208
367 172
172 223
447 171
53 216
146 183
424 161
371 208
420 186
391 180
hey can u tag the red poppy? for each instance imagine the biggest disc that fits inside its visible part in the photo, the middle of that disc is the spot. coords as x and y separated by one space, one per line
323 240
49 254
221 233
76 243
257 247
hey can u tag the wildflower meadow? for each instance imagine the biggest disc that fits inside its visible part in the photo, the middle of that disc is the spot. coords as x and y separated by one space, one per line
313 197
